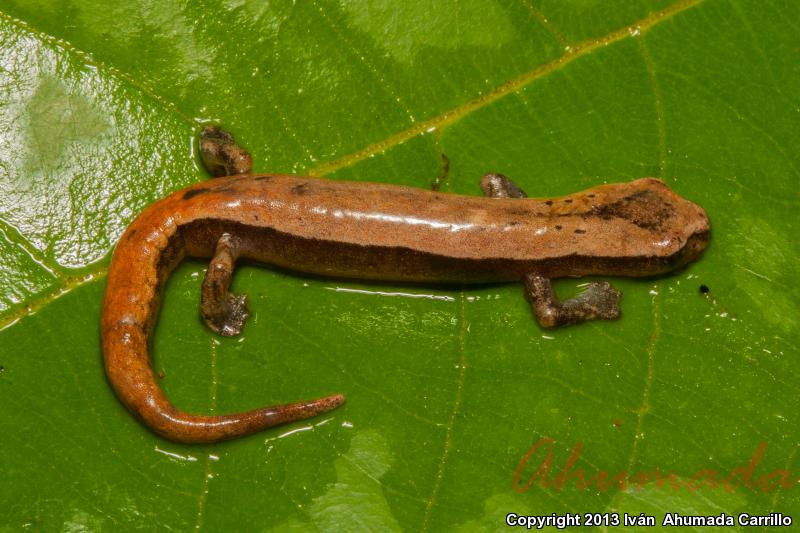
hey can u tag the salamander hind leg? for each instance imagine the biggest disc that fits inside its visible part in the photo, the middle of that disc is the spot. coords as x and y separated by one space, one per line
499 186
221 155
598 301
223 312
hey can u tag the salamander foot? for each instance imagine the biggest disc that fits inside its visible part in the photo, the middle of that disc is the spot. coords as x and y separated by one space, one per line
499 186
225 313
600 300
221 155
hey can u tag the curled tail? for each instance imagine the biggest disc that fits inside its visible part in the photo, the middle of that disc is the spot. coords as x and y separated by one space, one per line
143 259
128 368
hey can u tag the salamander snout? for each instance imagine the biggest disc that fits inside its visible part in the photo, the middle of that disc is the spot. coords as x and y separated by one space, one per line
696 244
699 229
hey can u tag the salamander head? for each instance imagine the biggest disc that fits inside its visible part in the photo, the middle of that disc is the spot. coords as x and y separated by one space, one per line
679 229
642 227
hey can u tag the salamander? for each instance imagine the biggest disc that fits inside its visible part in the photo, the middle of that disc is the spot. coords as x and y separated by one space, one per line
372 231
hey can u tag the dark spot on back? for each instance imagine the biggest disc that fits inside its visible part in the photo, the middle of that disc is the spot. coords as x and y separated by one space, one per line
131 234
579 231
704 289
513 223
568 200
558 227
188 195
590 195
263 178
300 189
549 202
646 209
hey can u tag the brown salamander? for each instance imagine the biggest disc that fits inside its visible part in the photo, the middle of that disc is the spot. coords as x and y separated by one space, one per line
379 232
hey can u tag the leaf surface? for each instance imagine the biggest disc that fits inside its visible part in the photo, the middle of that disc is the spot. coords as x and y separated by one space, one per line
448 388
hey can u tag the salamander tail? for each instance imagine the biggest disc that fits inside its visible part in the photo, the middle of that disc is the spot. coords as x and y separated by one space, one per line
178 426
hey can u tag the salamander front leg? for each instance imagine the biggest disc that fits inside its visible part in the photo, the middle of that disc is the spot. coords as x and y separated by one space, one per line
598 301
221 155
499 186
224 313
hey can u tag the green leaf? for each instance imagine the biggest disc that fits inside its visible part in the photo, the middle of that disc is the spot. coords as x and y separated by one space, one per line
448 388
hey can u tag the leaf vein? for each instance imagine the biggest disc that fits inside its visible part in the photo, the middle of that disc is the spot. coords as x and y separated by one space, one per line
659 108
644 406
549 26
509 87
14 237
67 285
448 440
